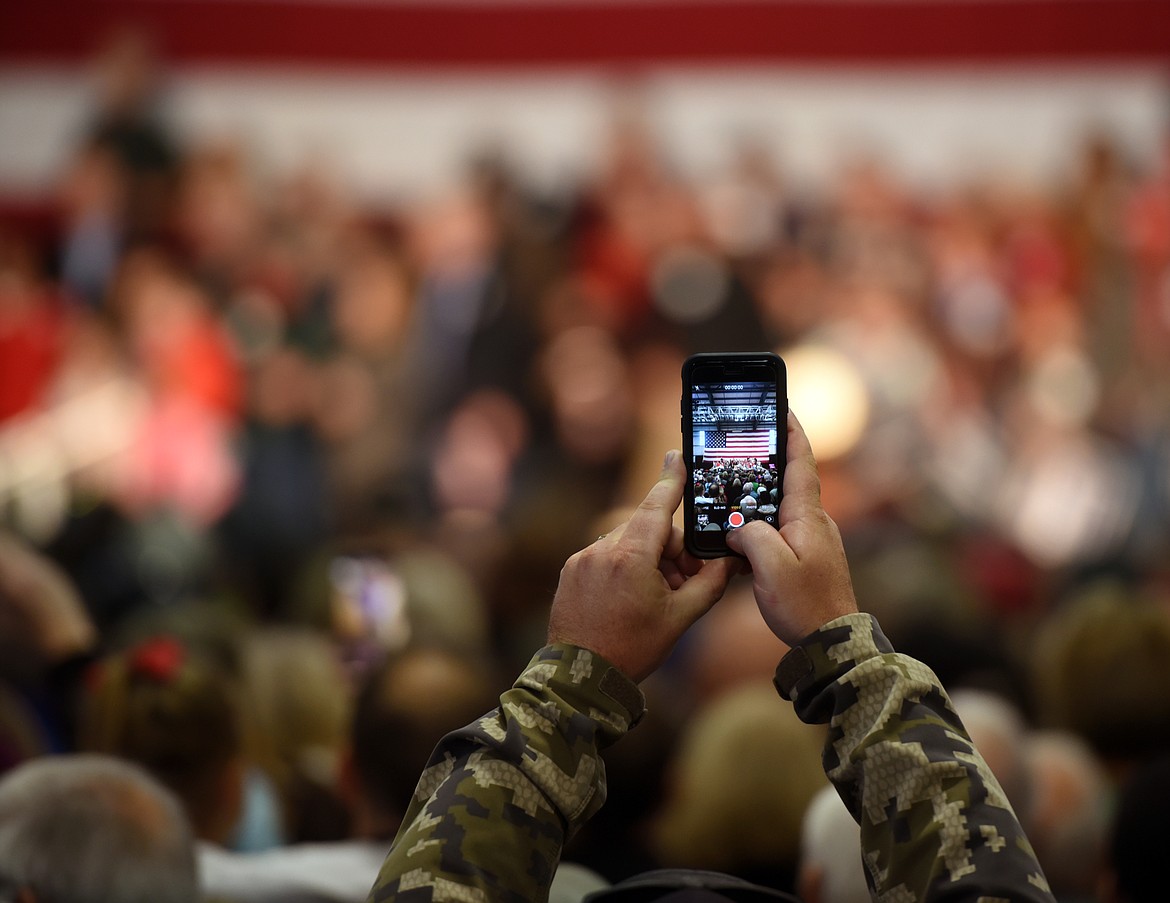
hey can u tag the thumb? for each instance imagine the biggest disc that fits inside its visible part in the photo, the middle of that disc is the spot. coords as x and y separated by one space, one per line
757 542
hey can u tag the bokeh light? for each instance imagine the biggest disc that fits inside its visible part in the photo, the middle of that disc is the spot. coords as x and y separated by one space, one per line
828 395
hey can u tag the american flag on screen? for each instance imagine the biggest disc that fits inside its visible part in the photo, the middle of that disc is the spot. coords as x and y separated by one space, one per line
739 444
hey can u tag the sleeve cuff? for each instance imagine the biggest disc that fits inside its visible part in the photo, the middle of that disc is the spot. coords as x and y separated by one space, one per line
588 683
823 657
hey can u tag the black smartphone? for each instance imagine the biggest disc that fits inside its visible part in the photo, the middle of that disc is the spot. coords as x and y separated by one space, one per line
734 424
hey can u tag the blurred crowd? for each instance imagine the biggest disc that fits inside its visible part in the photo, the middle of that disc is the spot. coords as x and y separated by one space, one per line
271 441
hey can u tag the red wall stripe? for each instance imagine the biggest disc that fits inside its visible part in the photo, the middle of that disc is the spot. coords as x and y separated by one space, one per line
374 34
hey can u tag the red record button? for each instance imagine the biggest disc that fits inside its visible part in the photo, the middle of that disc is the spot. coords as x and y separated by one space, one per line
736 519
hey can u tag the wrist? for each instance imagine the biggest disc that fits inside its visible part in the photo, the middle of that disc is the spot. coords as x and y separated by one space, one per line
587 682
825 654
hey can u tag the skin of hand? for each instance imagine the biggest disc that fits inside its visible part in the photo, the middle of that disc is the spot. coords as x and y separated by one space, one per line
800 574
633 593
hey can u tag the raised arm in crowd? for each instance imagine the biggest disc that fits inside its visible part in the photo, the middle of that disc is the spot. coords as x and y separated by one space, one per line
500 797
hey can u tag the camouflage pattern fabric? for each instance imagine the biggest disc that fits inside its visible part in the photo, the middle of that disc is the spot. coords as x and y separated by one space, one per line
935 824
501 796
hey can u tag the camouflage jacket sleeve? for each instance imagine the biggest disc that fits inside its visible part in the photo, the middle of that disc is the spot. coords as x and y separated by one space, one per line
500 797
935 824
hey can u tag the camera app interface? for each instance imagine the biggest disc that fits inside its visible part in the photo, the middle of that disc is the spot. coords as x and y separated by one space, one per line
734 468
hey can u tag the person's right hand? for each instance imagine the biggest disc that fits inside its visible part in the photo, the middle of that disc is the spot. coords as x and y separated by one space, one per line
634 592
801 577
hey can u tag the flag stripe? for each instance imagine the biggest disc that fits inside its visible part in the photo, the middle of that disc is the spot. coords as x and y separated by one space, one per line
739 444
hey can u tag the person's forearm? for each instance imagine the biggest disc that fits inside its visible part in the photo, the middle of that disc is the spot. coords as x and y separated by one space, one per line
934 822
501 796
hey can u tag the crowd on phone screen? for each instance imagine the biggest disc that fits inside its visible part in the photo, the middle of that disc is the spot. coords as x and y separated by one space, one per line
744 485
217 381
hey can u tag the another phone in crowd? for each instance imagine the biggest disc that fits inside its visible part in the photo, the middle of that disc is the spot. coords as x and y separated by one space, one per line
734 425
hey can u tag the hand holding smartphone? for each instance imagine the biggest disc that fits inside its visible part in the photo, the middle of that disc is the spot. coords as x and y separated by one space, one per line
734 417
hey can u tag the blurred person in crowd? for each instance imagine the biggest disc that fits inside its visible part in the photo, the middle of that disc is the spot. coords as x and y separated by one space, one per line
46 635
287 291
874 251
22 736
174 334
68 472
499 796
471 329
1147 229
636 209
92 829
42 618
119 186
93 201
167 699
1101 667
727 650
370 406
219 217
790 288
298 703
1096 208
128 124
877 325
830 853
586 375
179 717
566 475
729 807
934 619
1136 858
181 458
402 709
1067 812
749 208
219 635
998 730
33 325
971 305
472 473
280 516
618 842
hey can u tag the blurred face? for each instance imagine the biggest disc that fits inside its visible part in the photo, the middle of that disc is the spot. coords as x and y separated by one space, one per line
373 303
283 388
473 466
589 384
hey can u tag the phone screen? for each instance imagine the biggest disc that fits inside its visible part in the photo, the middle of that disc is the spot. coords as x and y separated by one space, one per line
734 411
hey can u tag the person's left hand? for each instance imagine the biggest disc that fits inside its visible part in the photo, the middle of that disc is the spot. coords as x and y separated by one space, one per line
633 593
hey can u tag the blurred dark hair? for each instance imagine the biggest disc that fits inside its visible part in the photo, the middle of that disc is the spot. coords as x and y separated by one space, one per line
170 711
403 709
1141 834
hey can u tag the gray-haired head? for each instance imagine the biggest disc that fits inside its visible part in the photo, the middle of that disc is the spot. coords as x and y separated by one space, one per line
93 829
831 868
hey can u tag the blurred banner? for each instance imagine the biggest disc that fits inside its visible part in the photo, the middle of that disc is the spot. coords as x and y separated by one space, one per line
394 98
390 32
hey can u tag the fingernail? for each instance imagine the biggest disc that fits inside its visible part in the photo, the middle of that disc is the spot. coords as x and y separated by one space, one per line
670 457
